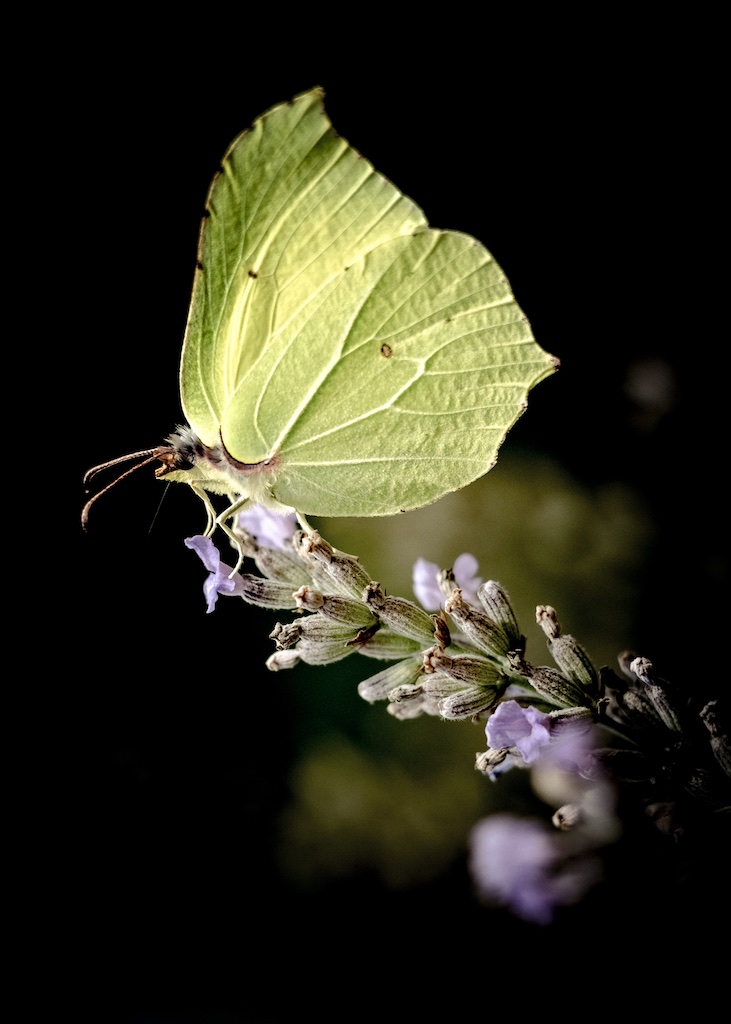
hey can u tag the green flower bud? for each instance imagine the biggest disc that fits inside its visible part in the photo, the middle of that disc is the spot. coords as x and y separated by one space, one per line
322 651
406 692
496 603
439 686
319 628
402 616
267 593
409 709
342 572
378 686
567 652
335 607
572 716
280 565
318 640
388 646
477 627
346 609
464 668
468 703
555 687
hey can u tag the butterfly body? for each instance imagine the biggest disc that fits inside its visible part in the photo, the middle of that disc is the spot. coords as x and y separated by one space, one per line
186 459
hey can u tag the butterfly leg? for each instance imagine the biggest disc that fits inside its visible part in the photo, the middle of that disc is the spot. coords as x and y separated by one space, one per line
237 504
213 519
309 530
210 510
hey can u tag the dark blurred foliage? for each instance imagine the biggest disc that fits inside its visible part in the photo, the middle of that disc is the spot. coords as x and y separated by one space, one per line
588 161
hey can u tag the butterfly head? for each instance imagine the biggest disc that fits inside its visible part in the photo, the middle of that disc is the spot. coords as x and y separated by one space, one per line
185 458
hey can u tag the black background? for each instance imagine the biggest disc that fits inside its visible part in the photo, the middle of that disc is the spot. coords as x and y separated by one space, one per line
588 159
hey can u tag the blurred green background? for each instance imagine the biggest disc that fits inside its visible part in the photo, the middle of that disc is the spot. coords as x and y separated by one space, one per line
234 838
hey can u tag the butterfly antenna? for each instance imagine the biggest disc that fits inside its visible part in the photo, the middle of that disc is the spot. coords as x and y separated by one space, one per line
150 455
91 473
159 504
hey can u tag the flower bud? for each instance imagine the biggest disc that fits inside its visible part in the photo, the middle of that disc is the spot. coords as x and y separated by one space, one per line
567 652
280 565
409 709
282 659
402 616
319 640
378 686
555 687
319 628
656 692
439 686
335 607
571 717
267 593
496 603
468 703
405 692
477 627
464 668
388 646
322 651
344 573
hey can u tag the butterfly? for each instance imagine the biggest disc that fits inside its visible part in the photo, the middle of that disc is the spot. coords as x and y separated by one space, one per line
341 357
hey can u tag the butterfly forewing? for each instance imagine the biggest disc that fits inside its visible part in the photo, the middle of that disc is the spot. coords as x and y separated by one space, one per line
293 206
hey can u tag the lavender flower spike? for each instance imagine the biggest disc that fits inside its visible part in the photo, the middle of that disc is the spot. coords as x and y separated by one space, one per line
218 582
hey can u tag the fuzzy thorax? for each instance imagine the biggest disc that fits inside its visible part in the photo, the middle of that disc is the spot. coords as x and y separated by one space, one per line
186 459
